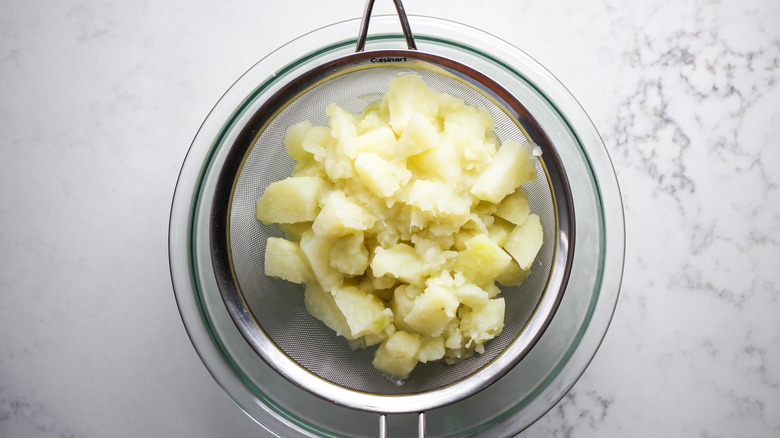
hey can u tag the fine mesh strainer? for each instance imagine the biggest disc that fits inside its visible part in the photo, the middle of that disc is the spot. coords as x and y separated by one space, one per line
270 313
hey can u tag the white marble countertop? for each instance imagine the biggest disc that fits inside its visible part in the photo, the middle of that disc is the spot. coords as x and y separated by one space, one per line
99 101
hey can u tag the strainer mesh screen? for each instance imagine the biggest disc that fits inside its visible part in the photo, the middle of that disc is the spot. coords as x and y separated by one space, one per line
278 306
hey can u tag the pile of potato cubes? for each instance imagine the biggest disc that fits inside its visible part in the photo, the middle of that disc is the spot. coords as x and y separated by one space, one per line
401 221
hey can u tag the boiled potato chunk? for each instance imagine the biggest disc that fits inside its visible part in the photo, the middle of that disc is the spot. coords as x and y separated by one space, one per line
483 323
285 260
321 305
482 260
340 216
317 251
365 314
525 241
515 207
432 349
420 134
513 274
401 261
293 140
349 255
377 174
397 356
407 95
402 304
291 200
432 311
402 220
511 167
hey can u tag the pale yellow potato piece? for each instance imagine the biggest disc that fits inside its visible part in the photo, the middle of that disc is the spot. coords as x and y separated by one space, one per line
432 349
513 274
349 255
420 134
511 167
499 230
377 174
291 200
293 140
432 311
285 260
294 231
484 323
403 303
406 95
471 295
515 207
525 241
321 305
440 162
397 356
317 142
482 260
401 261
380 140
364 313
340 216
309 167
317 251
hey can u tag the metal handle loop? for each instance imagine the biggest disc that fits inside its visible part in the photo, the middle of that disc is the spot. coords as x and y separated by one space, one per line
420 425
399 8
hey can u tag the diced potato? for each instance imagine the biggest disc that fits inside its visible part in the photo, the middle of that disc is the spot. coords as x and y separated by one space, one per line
482 260
397 356
380 141
342 124
375 338
294 231
365 314
511 167
406 95
483 323
515 207
474 120
499 230
317 251
400 261
377 174
293 140
291 200
513 274
441 162
340 216
420 134
471 295
321 305
309 167
285 260
432 311
432 349
317 142
403 303
525 241
349 256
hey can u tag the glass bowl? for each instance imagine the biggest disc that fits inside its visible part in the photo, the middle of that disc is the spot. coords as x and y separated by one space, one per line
532 387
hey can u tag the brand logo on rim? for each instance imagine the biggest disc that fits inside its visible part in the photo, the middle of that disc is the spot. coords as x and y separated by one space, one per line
389 59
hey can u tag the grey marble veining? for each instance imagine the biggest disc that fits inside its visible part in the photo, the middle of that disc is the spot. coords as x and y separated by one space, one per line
100 99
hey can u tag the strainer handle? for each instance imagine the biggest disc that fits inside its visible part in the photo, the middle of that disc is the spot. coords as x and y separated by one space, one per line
399 8
420 425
